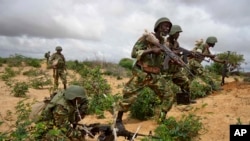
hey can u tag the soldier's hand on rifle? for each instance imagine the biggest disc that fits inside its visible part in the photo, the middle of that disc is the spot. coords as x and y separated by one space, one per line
179 52
156 50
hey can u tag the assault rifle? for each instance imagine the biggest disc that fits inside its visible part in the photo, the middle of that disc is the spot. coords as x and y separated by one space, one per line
186 53
225 69
105 132
170 55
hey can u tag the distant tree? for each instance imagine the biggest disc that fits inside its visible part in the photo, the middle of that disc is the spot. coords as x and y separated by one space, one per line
234 62
126 63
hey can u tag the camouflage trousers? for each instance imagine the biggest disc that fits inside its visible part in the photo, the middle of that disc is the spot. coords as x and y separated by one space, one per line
141 80
59 73
180 78
198 70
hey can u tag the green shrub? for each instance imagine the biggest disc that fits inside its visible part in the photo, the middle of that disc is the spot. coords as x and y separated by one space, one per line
33 62
9 73
2 61
185 129
144 106
33 72
99 103
97 88
20 89
115 70
93 81
126 63
246 79
15 60
20 128
199 89
38 83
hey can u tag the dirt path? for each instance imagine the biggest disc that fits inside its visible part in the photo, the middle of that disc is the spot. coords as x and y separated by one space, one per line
217 110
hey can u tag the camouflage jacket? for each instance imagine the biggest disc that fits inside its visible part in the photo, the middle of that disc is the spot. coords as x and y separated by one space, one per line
148 60
173 45
58 60
204 49
62 114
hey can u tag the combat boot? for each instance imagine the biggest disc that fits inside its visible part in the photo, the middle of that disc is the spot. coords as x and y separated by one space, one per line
119 125
184 98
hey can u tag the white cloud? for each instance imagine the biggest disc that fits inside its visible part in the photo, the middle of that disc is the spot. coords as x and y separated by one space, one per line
109 28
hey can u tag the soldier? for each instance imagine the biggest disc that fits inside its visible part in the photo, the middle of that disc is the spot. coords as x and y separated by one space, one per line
47 55
176 72
63 113
58 63
147 72
195 63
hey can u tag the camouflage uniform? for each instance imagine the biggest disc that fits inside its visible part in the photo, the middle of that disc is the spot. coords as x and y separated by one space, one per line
179 77
58 63
147 72
141 79
196 66
62 114
195 63
47 56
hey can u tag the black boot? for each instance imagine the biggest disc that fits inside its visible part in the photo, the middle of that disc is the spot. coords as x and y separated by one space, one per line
119 125
184 98
64 86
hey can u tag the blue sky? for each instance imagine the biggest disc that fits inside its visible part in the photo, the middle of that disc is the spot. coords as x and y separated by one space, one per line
107 29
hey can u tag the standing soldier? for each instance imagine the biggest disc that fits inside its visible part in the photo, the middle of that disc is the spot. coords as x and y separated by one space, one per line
195 63
58 63
147 72
176 72
47 55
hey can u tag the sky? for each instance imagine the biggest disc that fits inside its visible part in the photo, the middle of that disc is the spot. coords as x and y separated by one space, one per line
107 29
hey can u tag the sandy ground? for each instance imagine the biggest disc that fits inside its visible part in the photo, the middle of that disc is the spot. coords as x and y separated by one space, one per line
221 108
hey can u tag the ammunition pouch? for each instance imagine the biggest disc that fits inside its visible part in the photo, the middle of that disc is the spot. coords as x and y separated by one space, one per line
182 98
148 69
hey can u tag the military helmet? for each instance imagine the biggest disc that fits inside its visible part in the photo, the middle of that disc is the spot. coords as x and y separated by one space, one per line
175 29
161 20
74 91
58 48
211 40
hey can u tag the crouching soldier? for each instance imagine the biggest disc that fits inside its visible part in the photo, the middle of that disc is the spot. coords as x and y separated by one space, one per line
60 117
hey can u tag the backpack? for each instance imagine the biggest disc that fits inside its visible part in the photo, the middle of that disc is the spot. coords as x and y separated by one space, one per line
36 110
47 104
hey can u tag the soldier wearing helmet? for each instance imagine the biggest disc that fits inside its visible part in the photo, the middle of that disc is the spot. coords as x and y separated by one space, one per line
175 71
65 109
47 56
195 63
146 70
58 64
